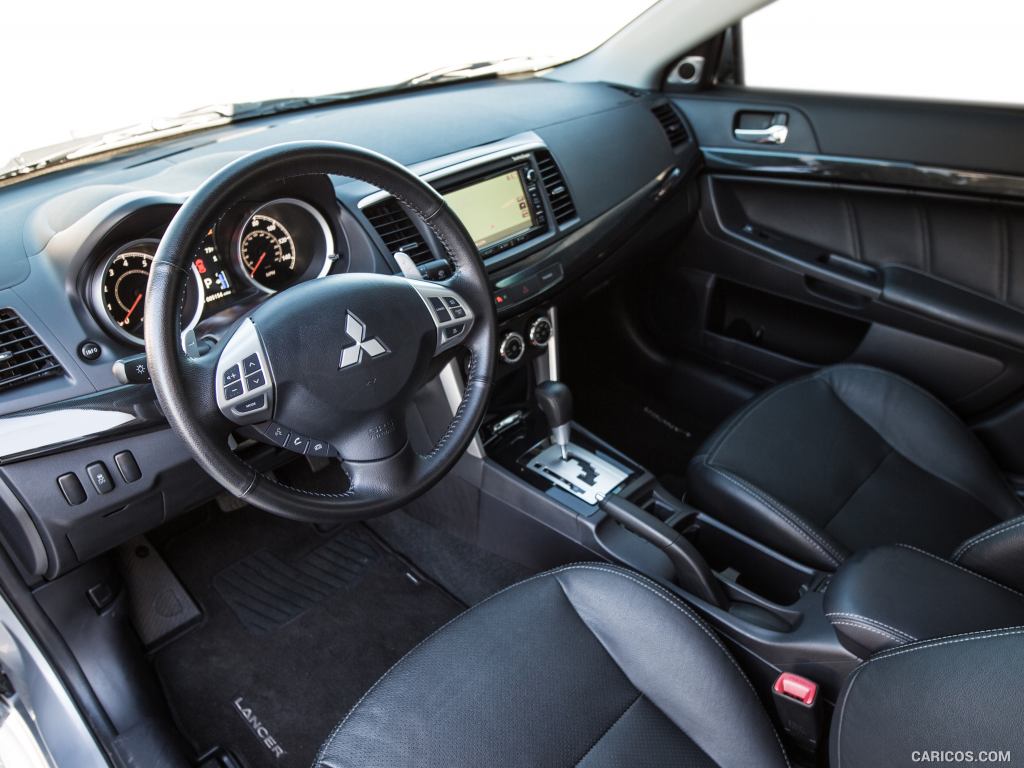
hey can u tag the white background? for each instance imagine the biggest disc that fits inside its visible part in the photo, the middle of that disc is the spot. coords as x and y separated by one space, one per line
70 69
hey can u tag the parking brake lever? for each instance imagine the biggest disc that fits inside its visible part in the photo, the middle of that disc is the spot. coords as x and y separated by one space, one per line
692 571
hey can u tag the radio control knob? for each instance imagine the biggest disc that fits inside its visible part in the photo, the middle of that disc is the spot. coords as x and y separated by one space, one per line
511 348
539 332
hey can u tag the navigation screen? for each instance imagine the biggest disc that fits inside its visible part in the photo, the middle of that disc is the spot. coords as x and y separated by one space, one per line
493 209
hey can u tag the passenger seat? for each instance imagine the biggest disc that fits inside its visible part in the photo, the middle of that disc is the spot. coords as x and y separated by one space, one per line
853 457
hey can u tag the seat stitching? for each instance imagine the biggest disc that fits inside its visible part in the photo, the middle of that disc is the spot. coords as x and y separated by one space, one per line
652 587
961 568
607 730
869 628
1007 525
869 620
785 515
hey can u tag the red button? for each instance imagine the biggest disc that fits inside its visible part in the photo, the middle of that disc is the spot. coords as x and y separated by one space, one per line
796 687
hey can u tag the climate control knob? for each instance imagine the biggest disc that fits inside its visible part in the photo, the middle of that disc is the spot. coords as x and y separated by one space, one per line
539 332
511 348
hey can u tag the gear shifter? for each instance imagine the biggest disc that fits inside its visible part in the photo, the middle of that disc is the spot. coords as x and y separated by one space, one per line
555 401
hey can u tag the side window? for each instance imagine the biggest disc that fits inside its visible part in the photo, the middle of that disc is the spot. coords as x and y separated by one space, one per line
948 51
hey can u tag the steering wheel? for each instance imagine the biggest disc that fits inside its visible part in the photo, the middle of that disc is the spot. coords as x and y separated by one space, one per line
327 367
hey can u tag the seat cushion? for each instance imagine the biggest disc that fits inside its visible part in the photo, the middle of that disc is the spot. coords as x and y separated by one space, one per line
848 458
588 665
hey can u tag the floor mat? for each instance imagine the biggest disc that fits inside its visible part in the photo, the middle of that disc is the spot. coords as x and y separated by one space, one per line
298 624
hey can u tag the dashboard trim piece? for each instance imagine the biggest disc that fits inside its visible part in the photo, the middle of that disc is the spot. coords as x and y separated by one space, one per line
855 169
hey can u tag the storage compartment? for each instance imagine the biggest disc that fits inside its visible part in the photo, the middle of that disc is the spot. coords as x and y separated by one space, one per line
750 565
798 331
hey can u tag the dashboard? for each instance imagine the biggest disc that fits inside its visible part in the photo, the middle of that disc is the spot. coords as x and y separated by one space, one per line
560 185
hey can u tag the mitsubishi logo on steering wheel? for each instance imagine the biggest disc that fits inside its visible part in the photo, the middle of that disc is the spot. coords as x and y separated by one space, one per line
353 355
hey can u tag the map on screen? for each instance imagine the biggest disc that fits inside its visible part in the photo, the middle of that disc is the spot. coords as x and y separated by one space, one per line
493 209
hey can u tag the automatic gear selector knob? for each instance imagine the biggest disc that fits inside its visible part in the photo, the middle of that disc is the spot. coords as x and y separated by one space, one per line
555 401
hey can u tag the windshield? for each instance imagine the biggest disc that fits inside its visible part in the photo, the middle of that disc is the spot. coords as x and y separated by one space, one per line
74 70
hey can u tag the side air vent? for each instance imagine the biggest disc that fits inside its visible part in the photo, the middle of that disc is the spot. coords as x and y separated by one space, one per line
397 230
671 123
23 357
562 206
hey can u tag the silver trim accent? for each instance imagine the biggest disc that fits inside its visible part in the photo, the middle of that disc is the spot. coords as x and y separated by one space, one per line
41 699
537 322
571 474
244 341
773 134
426 291
353 354
506 339
545 367
317 217
865 170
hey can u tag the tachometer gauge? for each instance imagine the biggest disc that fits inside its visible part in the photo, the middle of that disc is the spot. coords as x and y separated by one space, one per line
284 242
119 291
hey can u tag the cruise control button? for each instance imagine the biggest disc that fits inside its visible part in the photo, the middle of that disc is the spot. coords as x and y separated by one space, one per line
252 404
101 481
297 443
318 448
277 434
255 380
231 375
231 391
251 364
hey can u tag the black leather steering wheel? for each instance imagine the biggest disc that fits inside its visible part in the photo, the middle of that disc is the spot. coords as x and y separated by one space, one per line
336 360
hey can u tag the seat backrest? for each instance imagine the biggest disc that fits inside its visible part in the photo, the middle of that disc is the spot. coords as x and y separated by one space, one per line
956 700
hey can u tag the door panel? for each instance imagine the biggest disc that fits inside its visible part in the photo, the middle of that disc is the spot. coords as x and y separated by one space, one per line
880 232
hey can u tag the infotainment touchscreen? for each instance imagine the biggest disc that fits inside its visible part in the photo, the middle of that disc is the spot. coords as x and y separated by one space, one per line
494 209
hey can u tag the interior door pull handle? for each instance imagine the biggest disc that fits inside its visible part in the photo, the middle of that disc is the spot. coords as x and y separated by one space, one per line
773 134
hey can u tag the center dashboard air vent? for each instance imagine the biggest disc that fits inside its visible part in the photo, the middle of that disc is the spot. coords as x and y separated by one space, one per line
23 356
397 230
562 206
671 123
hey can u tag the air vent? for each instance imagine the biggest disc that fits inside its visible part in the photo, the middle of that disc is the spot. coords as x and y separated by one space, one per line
671 123
23 357
397 230
562 205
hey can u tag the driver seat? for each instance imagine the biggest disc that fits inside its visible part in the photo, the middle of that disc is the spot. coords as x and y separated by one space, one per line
587 665
593 665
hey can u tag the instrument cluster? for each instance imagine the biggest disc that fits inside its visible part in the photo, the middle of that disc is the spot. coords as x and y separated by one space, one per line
259 250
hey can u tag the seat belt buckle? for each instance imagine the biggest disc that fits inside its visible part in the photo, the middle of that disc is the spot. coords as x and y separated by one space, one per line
799 709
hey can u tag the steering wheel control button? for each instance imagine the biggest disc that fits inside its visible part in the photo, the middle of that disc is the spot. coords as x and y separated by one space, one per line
255 380
231 391
251 364
458 313
448 310
318 448
101 480
277 434
72 489
127 466
452 331
298 443
511 348
231 375
89 350
252 405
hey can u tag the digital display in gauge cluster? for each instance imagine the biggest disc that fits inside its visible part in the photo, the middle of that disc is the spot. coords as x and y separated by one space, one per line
211 269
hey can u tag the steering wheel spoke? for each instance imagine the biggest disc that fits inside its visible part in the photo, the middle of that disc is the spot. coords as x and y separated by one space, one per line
452 315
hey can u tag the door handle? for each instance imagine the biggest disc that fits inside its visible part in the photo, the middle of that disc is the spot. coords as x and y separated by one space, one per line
773 134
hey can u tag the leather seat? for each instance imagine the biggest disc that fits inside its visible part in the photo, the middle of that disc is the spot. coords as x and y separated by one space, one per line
588 665
845 459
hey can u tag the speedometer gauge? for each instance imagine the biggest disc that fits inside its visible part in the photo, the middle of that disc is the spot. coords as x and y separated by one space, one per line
282 243
268 253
